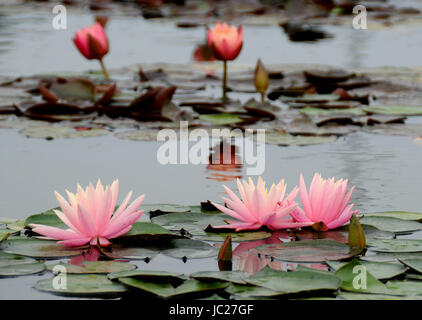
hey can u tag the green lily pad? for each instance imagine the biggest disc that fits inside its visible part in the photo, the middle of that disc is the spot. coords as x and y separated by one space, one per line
302 280
380 270
37 248
396 245
220 119
191 249
372 296
165 208
91 267
395 110
414 264
189 288
230 276
404 215
307 251
84 285
74 89
147 232
342 234
7 259
133 253
356 278
285 139
391 257
6 221
311 111
311 98
193 222
236 236
148 275
391 224
21 269
47 218
5 234
248 291
405 287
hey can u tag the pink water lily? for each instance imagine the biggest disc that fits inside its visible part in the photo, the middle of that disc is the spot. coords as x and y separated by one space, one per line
91 216
326 206
259 207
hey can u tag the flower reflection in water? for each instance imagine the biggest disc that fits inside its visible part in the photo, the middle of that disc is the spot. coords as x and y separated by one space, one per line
92 254
225 163
250 263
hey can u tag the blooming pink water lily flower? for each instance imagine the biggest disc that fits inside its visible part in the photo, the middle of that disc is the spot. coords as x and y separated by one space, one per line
326 205
91 216
259 207
226 41
92 41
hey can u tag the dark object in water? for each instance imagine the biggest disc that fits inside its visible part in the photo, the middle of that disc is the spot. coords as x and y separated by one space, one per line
299 31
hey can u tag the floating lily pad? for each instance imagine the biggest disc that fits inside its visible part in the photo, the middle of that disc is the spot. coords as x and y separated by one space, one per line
220 119
191 249
91 267
147 231
341 234
391 224
311 111
21 269
54 132
356 278
230 276
236 236
138 135
395 110
4 220
303 280
48 218
311 98
414 264
74 89
405 287
372 296
190 288
403 215
248 291
380 270
285 139
84 285
7 259
391 257
133 253
39 248
5 234
164 208
193 222
149 275
307 251
396 245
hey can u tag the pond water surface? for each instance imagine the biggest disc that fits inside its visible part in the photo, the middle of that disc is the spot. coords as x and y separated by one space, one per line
385 169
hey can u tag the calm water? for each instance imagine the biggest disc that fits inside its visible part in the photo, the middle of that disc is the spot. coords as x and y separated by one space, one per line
29 44
386 170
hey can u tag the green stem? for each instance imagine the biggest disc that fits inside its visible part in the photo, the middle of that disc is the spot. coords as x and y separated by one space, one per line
263 96
104 69
224 80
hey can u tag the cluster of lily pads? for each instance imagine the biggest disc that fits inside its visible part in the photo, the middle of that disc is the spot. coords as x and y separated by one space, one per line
265 264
